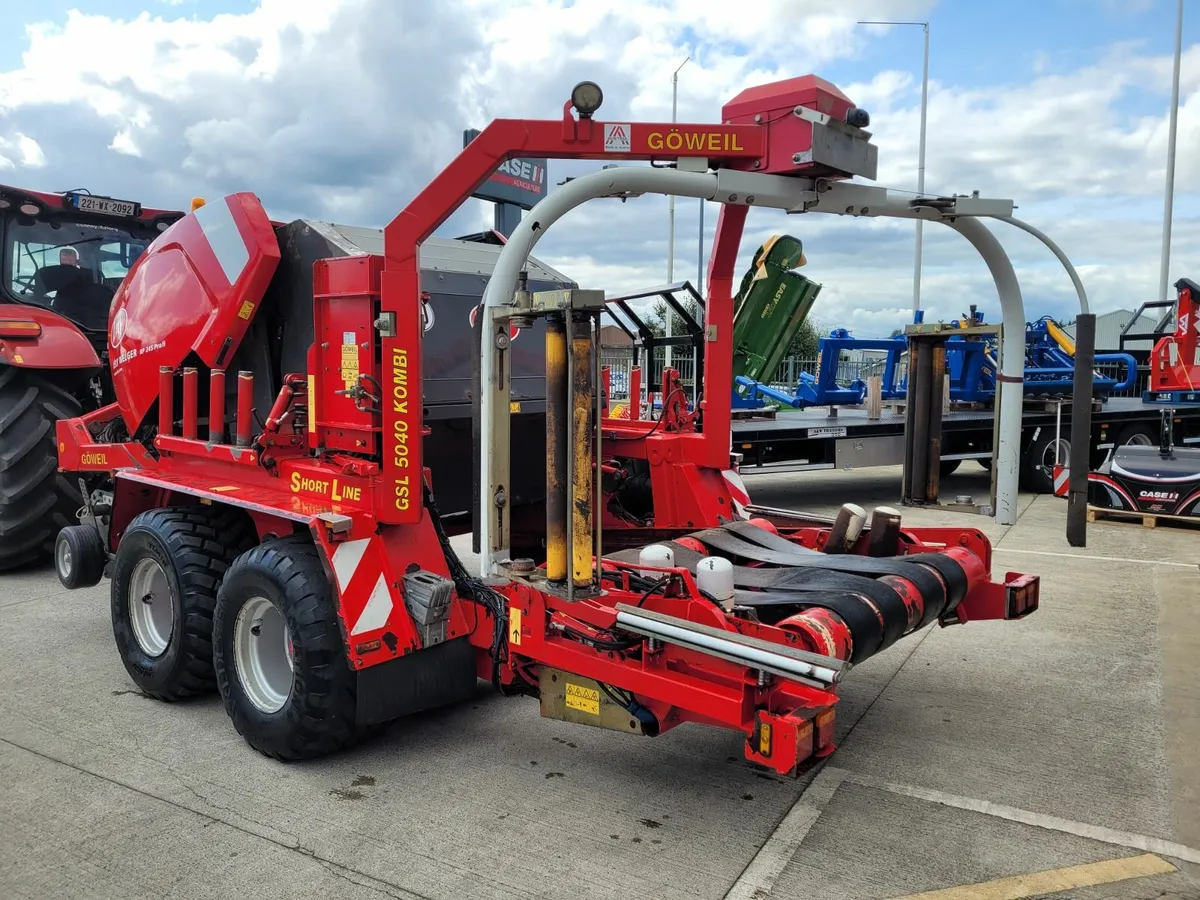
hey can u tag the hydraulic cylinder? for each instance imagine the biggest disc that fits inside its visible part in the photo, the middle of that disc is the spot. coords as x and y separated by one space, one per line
583 384
557 478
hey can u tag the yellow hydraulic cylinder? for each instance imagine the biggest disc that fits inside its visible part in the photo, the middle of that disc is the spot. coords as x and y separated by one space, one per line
582 498
557 410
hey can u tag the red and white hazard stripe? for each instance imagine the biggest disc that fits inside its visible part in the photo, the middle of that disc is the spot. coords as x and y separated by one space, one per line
737 492
1062 481
366 599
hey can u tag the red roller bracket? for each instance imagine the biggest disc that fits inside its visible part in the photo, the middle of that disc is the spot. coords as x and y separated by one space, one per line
245 404
166 400
216 406
190 402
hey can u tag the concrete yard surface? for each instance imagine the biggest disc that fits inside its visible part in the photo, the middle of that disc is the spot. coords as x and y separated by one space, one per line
1051 757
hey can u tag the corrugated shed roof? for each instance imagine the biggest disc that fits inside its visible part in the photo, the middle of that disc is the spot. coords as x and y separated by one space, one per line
1110 324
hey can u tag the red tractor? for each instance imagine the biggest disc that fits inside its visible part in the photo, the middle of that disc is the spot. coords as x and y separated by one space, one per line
63 257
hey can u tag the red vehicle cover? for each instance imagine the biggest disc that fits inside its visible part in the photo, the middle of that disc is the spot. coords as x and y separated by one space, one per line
194 290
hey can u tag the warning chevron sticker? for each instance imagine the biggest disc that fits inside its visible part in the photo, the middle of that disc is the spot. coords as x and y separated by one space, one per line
616 137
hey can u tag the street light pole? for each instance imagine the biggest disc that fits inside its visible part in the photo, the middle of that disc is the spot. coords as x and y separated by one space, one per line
671 208
920 155
1169 196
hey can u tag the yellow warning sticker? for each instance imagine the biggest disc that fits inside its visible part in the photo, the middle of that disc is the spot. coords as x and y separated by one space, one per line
583 699
349 364
514 407
247 310
514 626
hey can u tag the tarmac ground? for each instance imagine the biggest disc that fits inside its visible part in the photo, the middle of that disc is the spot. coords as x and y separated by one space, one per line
1050 757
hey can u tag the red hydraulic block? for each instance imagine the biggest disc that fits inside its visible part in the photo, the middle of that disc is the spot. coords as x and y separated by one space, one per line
245 404
190 400
166 400
216 406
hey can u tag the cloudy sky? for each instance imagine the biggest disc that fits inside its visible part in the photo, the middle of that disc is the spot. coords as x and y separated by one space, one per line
344 109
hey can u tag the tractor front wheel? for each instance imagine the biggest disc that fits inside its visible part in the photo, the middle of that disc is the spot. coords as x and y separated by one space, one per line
36 500
279 656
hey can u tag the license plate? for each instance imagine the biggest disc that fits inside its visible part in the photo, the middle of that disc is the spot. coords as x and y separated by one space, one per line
105 206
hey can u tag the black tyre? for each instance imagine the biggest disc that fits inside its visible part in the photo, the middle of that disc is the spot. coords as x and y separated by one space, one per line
79 556
1139 434
948 467
279 656
165 577
1037 466
985 463
36 500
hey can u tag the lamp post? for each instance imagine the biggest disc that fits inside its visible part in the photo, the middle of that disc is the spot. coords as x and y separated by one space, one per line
1169 196
671 208
920 155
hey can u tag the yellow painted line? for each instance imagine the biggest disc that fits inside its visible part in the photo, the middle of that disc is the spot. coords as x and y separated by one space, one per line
1053 881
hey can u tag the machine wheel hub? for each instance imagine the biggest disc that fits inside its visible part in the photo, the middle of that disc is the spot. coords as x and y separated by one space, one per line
151 607
263 654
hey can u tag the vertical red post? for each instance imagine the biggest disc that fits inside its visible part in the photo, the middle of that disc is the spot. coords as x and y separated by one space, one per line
190 402
245 404
216 406
717 399
635 392
166 400
605 386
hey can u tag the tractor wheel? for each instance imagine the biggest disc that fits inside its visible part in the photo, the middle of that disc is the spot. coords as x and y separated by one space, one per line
36 500
279 655
165 577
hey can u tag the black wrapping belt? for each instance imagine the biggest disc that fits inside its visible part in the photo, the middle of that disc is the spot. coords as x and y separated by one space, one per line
751 542
843 583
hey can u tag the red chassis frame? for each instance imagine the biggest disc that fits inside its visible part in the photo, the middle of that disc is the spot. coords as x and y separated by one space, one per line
375 511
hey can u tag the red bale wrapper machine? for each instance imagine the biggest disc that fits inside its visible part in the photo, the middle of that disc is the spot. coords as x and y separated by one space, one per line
299 563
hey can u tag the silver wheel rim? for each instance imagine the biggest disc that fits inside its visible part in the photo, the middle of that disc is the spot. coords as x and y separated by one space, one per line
1048 454
63 559
262 654
151 607
1139 440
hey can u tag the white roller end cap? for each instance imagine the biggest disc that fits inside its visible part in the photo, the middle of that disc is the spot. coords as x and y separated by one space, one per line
714 576
657 556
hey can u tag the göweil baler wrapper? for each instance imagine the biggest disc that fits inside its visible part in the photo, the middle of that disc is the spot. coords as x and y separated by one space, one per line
299 565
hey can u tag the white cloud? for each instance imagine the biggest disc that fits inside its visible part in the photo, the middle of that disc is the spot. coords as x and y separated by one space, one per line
345 109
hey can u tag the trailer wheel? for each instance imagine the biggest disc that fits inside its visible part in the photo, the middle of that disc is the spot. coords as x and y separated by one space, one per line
1038 463
165 576
36 500
279 655
1137 434
948 467
79 556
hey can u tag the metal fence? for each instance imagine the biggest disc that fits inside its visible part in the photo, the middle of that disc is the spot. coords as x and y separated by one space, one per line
619 361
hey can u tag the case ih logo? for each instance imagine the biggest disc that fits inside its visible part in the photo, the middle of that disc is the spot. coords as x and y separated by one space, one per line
1158 495
523 174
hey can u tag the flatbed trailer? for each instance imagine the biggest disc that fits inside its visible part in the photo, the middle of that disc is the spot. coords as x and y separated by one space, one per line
843 437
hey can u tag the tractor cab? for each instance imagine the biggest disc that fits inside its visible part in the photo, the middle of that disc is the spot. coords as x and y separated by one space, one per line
69 252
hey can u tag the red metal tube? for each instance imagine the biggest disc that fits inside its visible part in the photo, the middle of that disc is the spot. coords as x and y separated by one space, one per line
216 407
280 408
166 400
245 403
190 402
